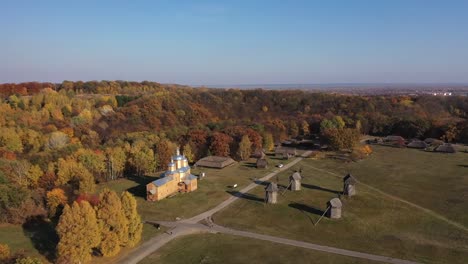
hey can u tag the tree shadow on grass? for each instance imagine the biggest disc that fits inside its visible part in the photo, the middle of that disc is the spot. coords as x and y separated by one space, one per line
250 165
462 165
314 187
43 236
140 189
246 196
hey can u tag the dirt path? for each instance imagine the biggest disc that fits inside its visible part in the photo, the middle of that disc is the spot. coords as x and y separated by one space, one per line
428 211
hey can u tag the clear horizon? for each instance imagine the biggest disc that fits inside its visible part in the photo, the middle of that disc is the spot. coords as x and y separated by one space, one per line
236 43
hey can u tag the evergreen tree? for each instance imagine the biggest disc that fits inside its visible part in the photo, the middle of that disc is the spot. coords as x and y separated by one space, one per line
135 227
245 148
112 223
79 233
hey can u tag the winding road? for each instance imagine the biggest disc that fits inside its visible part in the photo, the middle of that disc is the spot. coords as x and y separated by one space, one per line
192 226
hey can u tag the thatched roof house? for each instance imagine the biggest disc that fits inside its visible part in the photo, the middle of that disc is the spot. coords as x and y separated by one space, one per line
259 154
433 141
215 162
394 139
417 144
262 163
446 148
285 153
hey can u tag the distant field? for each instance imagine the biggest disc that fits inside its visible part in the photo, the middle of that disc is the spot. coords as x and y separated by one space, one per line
212 190
371 222
226 249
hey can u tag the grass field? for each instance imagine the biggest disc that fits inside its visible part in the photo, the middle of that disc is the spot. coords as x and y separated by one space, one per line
220 248
371 222
436 181
212 190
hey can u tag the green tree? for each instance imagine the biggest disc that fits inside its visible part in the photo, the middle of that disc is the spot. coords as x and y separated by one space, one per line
245 148
112 223
78 231
135 227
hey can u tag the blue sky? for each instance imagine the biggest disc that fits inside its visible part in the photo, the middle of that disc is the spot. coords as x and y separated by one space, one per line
235 42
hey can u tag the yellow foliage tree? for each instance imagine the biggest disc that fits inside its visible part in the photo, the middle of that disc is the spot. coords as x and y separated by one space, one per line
112 223
78 232
245 148
55 198
135 227
4 252
34 173
72 171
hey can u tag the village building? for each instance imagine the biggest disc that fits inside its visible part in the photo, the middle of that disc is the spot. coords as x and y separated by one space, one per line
215 162
176 179
334 210
295 181
262 163
417 144
271 193
446 148
349 183
285 153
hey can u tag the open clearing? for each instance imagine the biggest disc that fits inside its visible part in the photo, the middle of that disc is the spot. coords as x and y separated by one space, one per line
220 248
371 222
212 190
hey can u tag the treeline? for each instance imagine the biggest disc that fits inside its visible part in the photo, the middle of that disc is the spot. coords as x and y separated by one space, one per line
80 87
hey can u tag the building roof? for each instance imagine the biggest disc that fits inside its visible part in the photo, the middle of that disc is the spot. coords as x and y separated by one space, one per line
215 162
262 162
284 150
349 179
184 169
446 147
335 203
272 187
178 157
417 144
393 138
432 141
296 176
190 178
162 181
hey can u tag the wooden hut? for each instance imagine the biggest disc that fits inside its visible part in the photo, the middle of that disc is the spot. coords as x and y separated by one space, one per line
349 183
214 162
334 210
446 148
271 193
285 153
295 181
262 163
417 144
